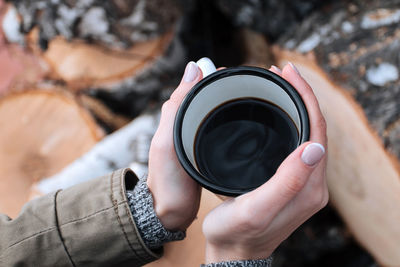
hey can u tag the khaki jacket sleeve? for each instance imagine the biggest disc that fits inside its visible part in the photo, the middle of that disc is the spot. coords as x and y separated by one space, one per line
86 225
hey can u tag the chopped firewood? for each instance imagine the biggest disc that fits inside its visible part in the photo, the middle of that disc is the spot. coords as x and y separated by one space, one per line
82 65
103 114
349 55
85 48
41 132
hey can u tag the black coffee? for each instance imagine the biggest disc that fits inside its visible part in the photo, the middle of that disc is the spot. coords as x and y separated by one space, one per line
241 143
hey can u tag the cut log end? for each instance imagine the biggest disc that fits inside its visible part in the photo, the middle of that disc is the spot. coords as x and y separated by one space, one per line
83 65
42 131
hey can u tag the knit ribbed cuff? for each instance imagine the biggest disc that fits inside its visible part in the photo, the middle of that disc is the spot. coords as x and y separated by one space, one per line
150 228
246 263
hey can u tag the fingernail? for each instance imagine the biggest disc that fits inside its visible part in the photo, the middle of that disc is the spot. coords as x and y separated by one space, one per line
312 154
294 68
206 65
275 68
191 72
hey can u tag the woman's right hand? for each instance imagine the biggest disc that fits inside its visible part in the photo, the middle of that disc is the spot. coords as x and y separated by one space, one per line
252 225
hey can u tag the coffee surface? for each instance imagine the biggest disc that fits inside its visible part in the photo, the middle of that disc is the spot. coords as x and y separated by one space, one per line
242 143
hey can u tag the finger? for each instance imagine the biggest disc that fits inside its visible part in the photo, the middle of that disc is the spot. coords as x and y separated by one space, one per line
276 70
301 208
317 121
191 76
287 182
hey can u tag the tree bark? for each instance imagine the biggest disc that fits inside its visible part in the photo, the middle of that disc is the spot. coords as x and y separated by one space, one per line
272 18
115 23
349 54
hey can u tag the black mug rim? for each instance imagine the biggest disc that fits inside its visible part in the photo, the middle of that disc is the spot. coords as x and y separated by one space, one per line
242 70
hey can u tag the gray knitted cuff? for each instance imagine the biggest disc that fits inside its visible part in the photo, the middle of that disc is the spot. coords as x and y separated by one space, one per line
151 230
246 263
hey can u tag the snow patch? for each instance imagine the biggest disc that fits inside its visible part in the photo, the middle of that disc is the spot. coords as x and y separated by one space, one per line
94 22
380 17
66 20
11 26
115 151
290 44
347 27
69 15
137 15
84 3
382 74
310 43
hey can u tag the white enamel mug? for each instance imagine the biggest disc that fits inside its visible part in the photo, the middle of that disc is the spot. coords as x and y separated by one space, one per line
223 86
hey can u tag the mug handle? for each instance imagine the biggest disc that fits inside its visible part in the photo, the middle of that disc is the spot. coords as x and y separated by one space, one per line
206 65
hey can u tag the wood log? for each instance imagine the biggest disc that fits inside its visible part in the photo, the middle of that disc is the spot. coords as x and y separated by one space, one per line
83 48
42 131
121 77
324 240
349 55
105 117
81 65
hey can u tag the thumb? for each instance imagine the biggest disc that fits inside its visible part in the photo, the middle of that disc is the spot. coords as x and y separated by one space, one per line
191 76
289 179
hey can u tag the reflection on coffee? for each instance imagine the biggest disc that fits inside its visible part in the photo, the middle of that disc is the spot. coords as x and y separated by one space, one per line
241 143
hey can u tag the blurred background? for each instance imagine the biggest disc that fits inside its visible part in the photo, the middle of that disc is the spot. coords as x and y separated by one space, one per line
82 82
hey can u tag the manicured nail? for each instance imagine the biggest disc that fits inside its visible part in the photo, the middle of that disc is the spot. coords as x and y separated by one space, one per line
312 154
206 65
191 72
275 68
294 68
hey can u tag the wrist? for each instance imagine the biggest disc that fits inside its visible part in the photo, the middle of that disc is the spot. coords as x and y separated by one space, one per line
170 218
169 209
153 233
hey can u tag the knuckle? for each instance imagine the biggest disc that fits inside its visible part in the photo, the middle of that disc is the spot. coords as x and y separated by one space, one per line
246 219
246 222
294 186
157 144
165 106
177 95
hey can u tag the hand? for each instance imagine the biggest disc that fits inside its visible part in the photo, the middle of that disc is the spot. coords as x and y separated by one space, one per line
176 195
252 225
